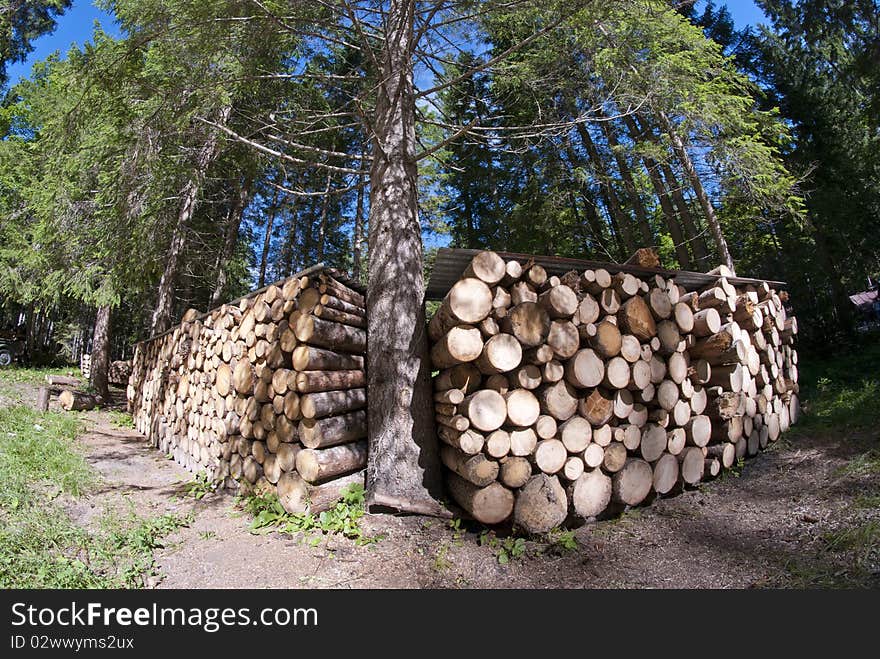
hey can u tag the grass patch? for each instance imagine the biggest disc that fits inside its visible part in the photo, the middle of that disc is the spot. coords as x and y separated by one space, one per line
343 519
121 419
841 391
40 545
200 487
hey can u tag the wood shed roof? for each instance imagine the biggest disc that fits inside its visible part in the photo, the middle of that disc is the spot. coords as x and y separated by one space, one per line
451 262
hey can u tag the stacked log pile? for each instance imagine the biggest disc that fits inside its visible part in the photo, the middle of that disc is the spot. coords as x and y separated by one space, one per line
582 394
270 391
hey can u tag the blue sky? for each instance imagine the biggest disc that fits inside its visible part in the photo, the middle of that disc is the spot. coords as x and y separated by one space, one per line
77 24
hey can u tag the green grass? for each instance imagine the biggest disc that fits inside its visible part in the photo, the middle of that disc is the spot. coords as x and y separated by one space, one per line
40 545
343 519
841 391
121 419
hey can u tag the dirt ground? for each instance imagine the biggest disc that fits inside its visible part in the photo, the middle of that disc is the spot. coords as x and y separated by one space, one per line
769 527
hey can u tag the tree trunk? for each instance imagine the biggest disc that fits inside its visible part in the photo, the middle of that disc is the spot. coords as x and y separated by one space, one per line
101 352
619 220
672 223
357 242
161 319
403 469
705 203
322 228
629 184
267 239
233 223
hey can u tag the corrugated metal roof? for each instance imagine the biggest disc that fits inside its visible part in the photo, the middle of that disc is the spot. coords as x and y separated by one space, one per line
450 264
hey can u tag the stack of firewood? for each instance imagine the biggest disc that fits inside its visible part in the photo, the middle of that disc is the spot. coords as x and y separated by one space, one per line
585 393
269 391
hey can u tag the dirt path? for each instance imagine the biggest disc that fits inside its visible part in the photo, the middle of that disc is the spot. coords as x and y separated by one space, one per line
769 527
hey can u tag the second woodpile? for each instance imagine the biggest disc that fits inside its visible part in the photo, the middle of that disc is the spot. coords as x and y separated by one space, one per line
582 394
270 391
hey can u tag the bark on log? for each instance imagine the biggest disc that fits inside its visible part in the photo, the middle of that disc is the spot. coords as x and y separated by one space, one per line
489 505
541 504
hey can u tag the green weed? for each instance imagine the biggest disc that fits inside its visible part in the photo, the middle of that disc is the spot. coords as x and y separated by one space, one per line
121 419
200 487
506 549
40 545
343 519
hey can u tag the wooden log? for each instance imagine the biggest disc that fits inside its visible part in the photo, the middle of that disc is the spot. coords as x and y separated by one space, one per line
550 456
526 377
632 484
667 395
594 455
43 399
659 303
728 376
559 302
523 442
476 469
698 431
573 469
670 338
609 301
541 504
691 464
297 497
333 430
591 494
498 444
314 381
486 266
588 310
469 441
523 408
78 400
468 302
465 377
449 397
337 316
243 378
681 413
309 358
635 317
515 471
319 465
615 457
331 302
563 338
559 400
552 371
491 504
522 292
617 373
327 334
653 442
497 382
538 356
459 345
546 426
623 404
62 381
597 407
724 452
607 341
486 410
576 434
630 348
626 284
528 322
328 403
500 354
684 317
706 322
666 473
585 369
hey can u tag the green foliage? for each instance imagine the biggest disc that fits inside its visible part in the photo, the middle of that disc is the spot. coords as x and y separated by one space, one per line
841 390
40 545
121 419
21 23
343 519
561 541
200 487
505 549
